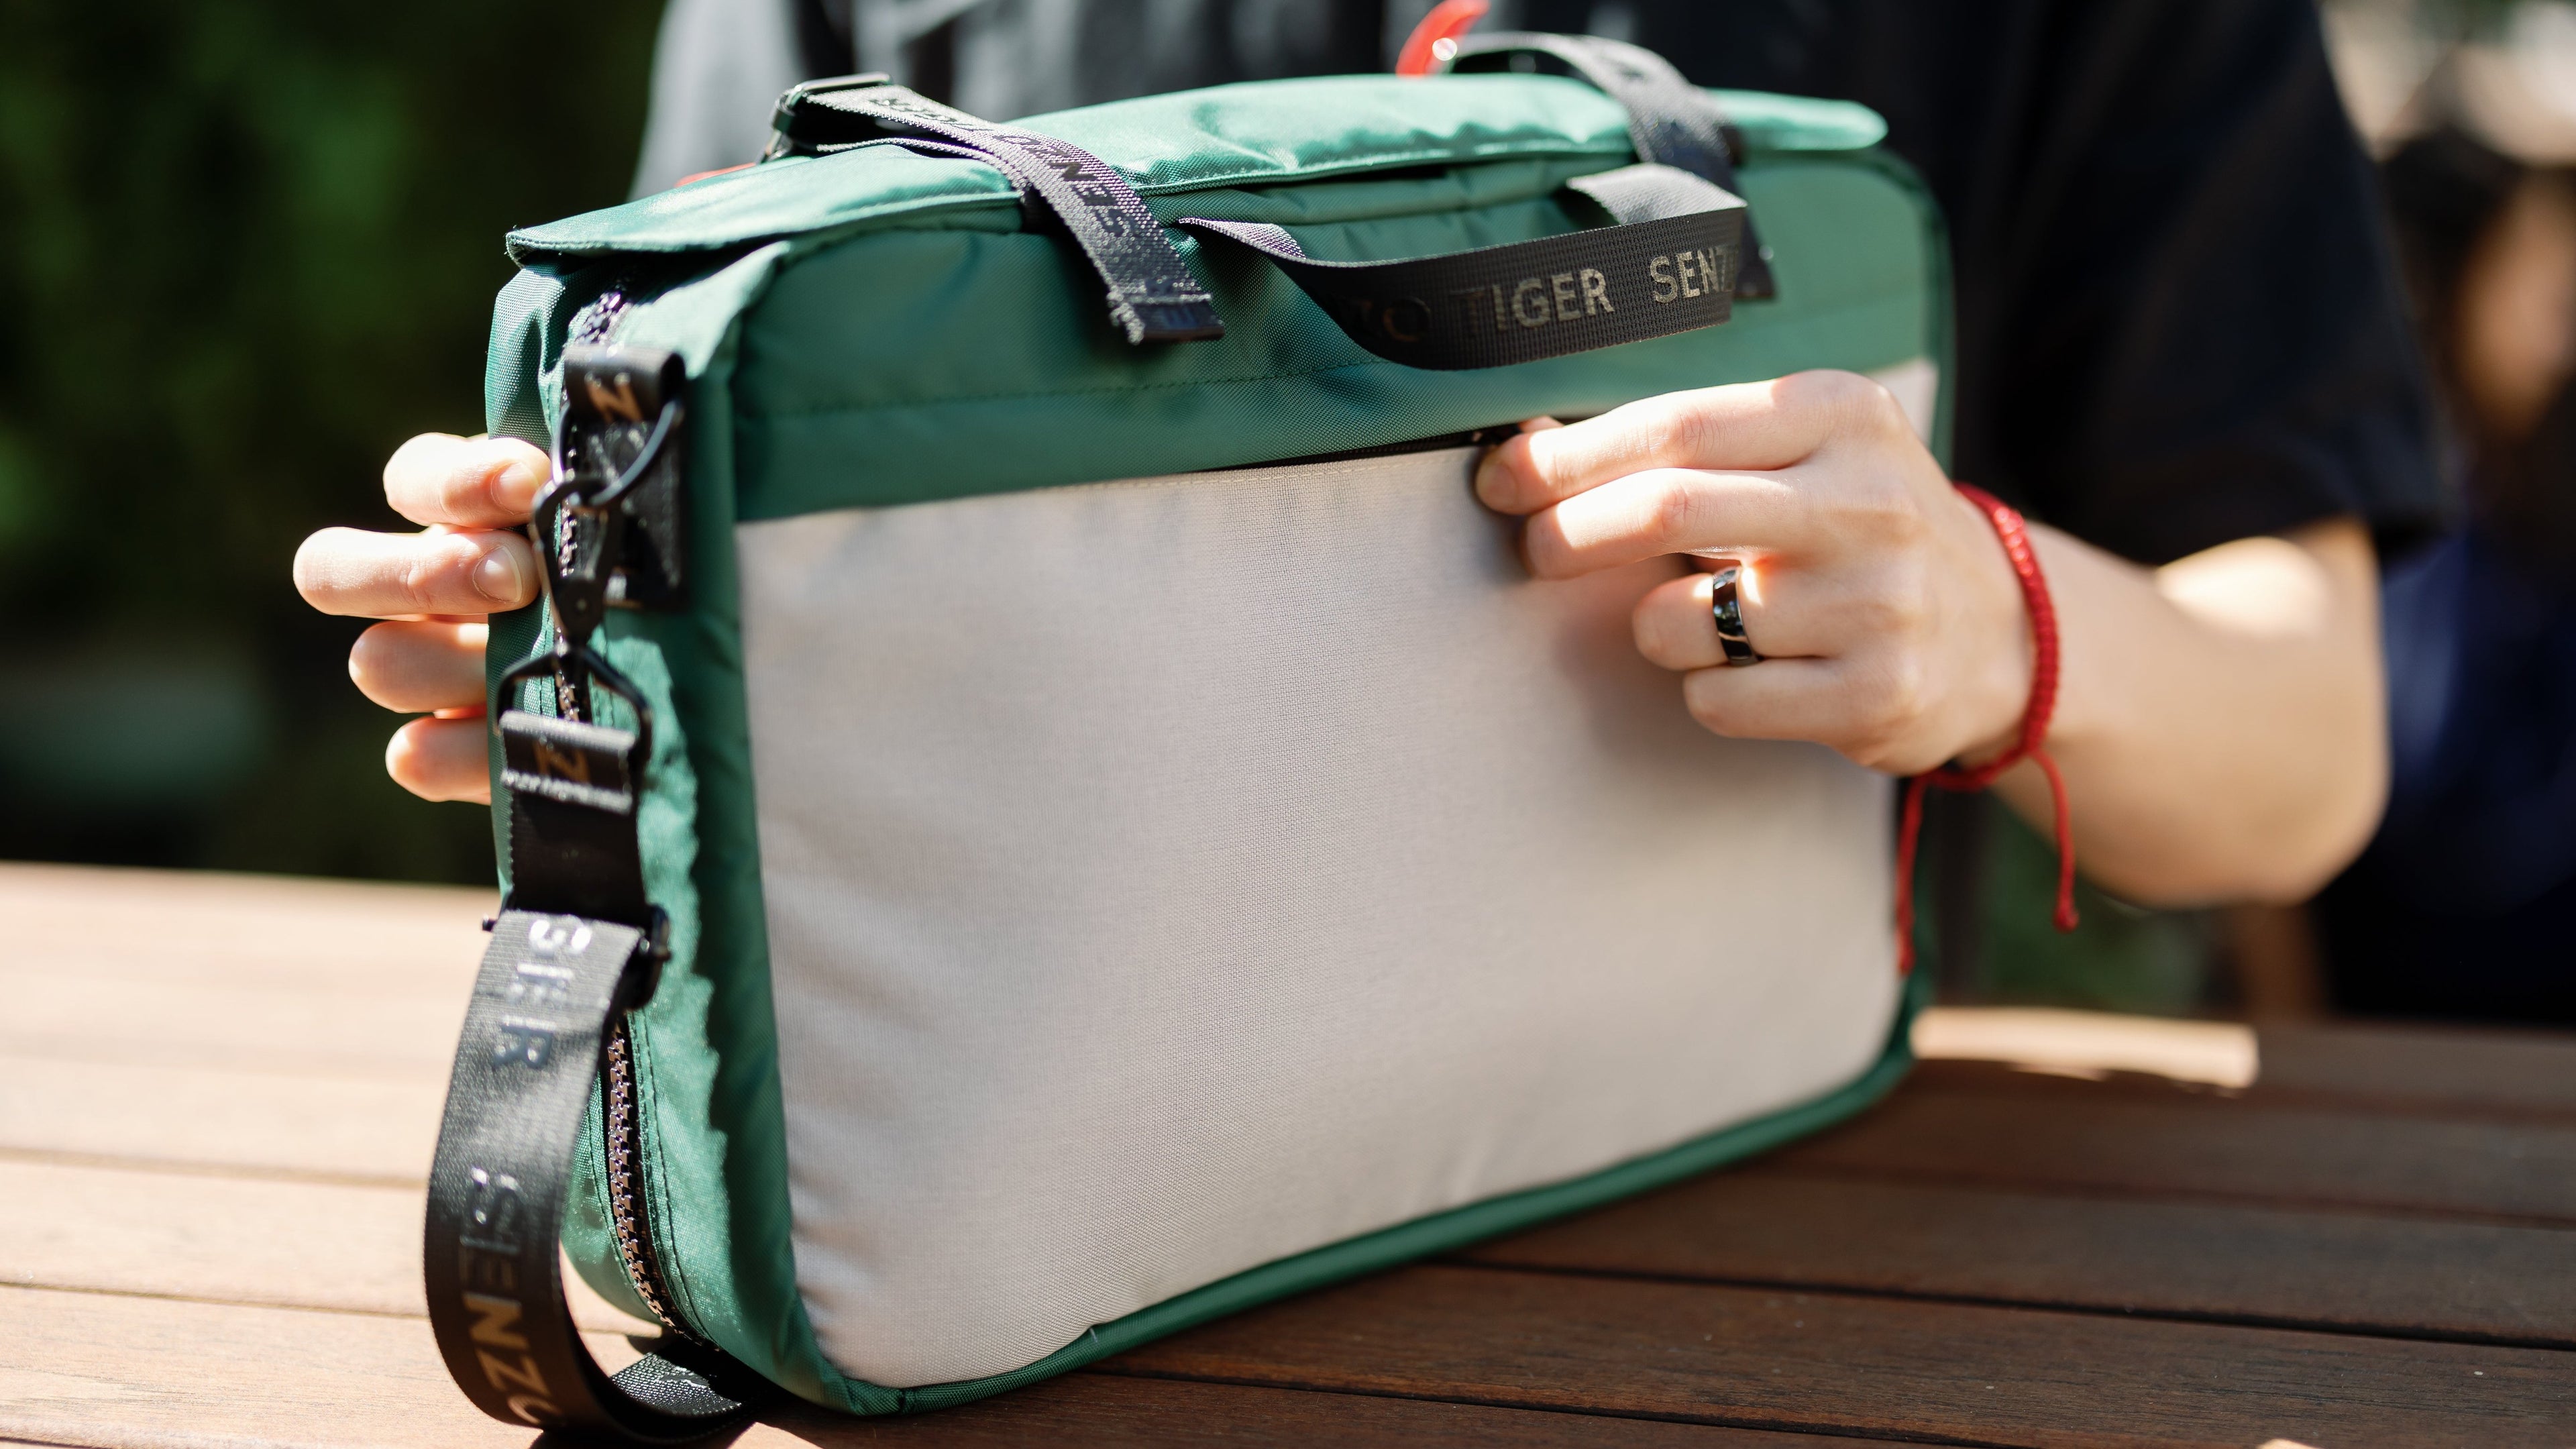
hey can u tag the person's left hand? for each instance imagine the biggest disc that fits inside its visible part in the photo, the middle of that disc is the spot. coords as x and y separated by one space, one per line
1889 621
435 587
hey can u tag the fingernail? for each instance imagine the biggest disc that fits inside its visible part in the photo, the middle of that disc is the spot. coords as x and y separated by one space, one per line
1491 483
502 577
515 486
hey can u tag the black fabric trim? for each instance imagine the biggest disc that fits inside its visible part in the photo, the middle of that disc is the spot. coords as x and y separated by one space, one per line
1667 267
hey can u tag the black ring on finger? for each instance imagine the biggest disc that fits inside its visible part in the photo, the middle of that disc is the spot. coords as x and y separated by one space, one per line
1727 609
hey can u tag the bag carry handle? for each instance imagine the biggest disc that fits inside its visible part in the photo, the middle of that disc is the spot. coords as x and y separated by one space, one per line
1153 297
1668 265
1669 119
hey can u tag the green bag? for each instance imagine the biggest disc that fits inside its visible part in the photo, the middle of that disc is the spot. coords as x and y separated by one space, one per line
1022 840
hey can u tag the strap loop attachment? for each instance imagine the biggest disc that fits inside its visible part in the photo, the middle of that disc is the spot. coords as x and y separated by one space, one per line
1153 296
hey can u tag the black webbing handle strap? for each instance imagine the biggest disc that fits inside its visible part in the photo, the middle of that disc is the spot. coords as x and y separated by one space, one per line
1669 119
574 947
1667 265
1153 297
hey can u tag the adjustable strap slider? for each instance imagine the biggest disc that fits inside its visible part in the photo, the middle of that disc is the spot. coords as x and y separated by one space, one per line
572 790
568 761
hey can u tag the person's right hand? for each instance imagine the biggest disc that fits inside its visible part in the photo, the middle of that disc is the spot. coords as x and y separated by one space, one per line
435 587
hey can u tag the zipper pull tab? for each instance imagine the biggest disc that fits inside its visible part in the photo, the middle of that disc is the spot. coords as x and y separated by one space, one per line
614 537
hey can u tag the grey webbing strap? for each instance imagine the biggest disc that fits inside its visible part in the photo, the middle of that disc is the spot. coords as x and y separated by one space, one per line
1665 267
1153 297
1669 119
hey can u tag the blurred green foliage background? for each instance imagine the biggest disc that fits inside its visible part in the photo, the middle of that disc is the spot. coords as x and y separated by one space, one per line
247 247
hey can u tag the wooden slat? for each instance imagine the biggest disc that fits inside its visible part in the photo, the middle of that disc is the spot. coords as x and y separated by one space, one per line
2488 1072
87 1369
2394 1071
2079 1136
1110 1409
1783 1359
2397 1275
260 932
363 1129
227 1240
288 1090
94 1369
293 1244
393 1037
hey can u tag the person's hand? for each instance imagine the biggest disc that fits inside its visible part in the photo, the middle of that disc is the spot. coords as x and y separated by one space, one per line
1889 621
436 586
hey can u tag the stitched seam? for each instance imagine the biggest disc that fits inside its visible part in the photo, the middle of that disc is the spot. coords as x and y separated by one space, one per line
1216 181
1348 468
530 241
1382 159
1113 389
1123 389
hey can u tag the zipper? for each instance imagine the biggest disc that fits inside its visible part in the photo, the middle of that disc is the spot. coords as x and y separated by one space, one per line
619 405
621 441
623 1140
599 316
1471 438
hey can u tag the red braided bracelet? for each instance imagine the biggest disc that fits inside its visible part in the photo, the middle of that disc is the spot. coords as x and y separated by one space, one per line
2034 733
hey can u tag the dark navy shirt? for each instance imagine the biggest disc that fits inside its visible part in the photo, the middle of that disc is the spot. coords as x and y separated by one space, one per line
2178 318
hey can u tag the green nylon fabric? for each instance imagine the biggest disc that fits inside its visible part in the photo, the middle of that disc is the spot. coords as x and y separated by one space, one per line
1260 132
1053 397
847 320
705 1046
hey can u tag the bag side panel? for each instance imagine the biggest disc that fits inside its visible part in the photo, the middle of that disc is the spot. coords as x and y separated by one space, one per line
706 1044
528 324
704 1047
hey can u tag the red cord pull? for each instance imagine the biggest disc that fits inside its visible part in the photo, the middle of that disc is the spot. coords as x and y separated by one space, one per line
1436 38
2015 536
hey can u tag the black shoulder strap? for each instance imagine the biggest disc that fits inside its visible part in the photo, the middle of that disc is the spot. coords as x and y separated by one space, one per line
1669 119
1153 296
574 949
1666 265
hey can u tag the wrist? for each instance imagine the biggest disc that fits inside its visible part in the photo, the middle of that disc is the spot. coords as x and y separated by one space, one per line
2028 742
1998 681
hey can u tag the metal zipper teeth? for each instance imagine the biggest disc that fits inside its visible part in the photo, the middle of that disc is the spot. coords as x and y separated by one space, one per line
624 1134
599 316
625 1148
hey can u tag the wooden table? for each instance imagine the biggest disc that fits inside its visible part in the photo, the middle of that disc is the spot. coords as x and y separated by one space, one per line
214 1122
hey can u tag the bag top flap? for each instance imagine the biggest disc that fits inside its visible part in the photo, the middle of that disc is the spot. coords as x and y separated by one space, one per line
1250 134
